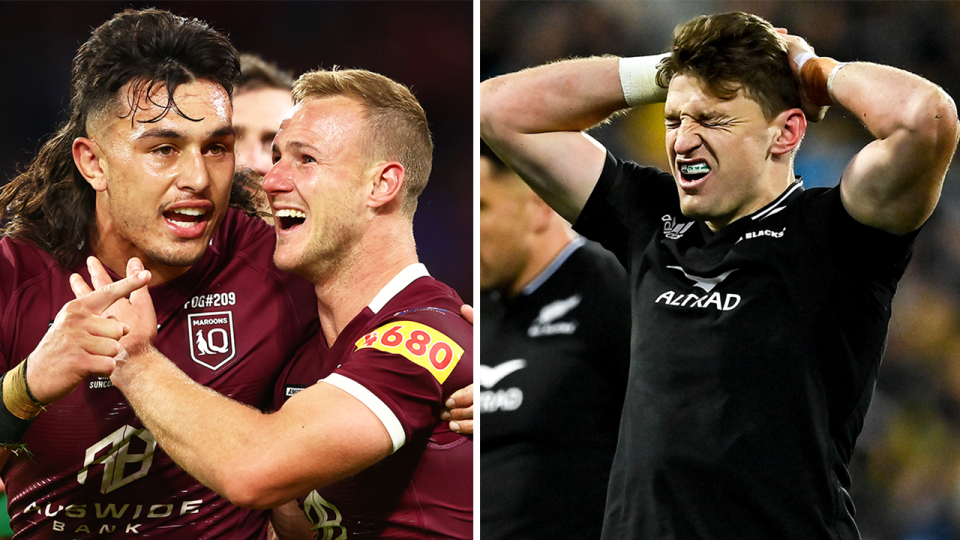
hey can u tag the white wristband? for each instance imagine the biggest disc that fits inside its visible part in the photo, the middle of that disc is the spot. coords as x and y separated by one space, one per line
833 73
802 58
638 79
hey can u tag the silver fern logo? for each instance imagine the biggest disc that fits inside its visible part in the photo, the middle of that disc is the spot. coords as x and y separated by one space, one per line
546 323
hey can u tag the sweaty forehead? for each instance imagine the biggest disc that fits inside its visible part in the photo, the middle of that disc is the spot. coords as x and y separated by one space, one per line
323 121
197 102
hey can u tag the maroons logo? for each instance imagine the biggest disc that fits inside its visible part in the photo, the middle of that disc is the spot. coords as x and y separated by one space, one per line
211 338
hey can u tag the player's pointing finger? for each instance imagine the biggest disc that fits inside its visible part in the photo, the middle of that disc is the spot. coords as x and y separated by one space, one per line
139 297
98 274
79 286
101 299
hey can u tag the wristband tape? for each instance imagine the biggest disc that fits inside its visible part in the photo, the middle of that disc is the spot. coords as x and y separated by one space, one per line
813 79
12 428
802 58
638 79
833 73
26 386
17 397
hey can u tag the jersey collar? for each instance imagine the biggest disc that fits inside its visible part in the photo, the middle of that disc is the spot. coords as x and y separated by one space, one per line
554 264
398 283
779 203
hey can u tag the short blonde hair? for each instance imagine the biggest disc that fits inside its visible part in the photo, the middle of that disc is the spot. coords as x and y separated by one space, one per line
397 125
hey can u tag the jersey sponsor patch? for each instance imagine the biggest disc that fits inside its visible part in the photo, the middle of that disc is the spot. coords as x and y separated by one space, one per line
289 390
421 344
101 382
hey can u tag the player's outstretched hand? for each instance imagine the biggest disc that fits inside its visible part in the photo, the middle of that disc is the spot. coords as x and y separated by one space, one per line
83 340
459 411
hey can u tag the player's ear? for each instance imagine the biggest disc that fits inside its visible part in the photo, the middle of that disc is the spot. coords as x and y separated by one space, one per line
790 126
387 183
88 157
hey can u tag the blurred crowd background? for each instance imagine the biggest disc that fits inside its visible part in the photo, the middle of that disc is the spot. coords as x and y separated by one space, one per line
426 45
907 468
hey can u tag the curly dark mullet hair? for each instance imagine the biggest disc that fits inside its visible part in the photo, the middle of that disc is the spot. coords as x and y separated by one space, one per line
50 203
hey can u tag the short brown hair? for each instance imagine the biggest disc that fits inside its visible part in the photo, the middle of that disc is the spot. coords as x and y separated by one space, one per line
731 51
398 128
257 73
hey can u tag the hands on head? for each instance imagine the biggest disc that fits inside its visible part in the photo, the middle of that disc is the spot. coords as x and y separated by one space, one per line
796 46
90 332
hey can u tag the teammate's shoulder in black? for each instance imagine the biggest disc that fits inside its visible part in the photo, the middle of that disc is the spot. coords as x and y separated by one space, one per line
601 264
587 266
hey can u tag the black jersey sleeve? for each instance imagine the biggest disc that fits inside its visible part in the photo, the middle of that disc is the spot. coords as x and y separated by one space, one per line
867 251
626 205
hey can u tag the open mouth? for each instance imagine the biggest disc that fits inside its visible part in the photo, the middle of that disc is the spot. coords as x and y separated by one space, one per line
691 172
185 217
287 218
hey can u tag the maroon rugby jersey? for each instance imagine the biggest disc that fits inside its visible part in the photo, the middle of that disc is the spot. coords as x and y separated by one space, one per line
231 322
403 356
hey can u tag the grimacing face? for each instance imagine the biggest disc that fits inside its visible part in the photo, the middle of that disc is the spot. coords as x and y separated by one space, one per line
316 185
165 185
718 151
505 223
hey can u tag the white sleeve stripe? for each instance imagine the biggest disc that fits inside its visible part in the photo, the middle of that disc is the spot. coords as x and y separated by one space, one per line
375 404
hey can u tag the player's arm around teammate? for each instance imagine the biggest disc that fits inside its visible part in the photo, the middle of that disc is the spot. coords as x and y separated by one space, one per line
254 459
249 446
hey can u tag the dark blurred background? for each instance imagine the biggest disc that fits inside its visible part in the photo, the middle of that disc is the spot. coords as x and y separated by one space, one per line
427 46
907 467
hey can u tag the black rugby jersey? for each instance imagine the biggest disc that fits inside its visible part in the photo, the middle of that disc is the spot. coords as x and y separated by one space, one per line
552 376
754 356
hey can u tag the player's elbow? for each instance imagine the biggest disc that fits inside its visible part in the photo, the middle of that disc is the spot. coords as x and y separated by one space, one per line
255 484
932 117
250 490
488 109
948 125
495 107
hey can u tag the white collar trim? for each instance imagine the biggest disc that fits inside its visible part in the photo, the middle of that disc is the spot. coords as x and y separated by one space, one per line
554 265
778 204
397 284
